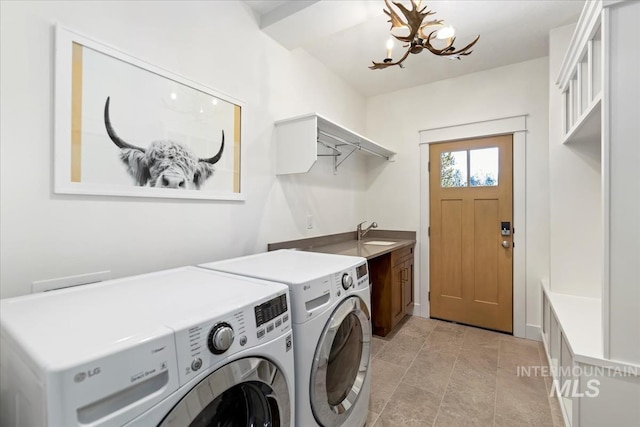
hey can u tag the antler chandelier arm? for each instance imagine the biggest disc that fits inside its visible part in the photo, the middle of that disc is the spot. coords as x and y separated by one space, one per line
381 65
417 39
449 49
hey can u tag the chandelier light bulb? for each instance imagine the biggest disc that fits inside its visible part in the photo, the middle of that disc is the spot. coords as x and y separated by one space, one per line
389 47
445 32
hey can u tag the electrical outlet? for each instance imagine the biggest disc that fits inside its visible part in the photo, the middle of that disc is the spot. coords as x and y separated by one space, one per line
309 222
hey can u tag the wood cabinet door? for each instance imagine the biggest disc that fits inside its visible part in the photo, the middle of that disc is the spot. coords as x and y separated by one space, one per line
397 301
407 286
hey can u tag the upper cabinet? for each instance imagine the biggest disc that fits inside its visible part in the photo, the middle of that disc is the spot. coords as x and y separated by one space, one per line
301 140
580 78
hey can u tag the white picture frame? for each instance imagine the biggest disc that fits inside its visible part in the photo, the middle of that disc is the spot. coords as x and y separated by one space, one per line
186 121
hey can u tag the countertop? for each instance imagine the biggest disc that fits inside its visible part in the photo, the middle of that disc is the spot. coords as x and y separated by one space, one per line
356 248
347 244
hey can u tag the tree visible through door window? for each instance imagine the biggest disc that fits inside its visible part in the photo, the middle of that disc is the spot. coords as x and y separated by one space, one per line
480 165
453 169
484 167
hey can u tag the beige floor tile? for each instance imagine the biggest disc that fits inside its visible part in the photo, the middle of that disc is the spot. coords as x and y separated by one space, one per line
485 359
409 407
556 412
514 355
450 327
522 341
401 350
444 341
385 374
371 419
385 378
376 345
430 371
466 377
378 399
418 327
434 373
466 406
521 401
476 338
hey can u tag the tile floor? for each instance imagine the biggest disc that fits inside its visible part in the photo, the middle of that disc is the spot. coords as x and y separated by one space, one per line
433 373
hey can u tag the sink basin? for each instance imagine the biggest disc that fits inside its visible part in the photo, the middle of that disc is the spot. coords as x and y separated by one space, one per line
379 243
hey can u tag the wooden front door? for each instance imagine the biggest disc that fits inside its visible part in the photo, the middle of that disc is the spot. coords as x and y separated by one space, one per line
471 262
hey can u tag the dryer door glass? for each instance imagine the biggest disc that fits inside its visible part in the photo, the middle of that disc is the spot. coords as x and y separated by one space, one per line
344 359
341 362
246 392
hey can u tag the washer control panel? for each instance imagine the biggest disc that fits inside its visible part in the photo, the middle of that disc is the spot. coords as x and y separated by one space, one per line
347 281
352 279
210 342
271 315
220 338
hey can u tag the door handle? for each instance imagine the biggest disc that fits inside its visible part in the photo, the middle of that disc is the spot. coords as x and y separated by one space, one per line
505 244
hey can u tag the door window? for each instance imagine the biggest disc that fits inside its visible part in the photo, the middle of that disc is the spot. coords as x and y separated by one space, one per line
453 169
483 167
470 168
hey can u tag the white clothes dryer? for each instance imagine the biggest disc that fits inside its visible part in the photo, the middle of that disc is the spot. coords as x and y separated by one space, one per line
331 306
182 347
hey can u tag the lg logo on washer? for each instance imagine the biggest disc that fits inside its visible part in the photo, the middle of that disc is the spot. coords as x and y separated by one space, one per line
81 376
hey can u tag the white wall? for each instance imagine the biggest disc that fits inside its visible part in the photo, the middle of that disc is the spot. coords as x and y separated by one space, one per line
217 44
394 196
575 194
624 185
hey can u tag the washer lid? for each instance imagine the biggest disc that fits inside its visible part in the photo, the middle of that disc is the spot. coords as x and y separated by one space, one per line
61 328
287 266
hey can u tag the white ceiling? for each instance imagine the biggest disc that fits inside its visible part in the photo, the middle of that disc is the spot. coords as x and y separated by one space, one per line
346 35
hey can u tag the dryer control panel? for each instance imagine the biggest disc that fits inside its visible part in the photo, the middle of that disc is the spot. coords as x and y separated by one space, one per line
352 279
211 342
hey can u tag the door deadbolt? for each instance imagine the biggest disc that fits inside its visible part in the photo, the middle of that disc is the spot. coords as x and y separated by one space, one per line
505 228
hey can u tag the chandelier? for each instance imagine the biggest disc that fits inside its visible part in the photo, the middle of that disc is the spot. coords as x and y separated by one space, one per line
418 40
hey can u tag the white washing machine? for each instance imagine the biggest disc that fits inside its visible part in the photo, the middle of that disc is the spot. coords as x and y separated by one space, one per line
331 306
182 347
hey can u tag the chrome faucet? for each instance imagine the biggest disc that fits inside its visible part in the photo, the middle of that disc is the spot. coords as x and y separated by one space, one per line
362 232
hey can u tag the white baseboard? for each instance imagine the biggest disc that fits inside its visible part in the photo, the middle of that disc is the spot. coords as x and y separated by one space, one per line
533 333
417 311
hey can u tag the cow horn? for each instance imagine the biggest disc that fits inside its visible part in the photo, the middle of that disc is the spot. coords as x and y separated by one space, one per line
216 158
112 133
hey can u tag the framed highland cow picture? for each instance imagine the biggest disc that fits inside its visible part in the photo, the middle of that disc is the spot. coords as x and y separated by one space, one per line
124 127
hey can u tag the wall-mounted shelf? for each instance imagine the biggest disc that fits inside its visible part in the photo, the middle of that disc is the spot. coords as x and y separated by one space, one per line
580 78
301 140
588 126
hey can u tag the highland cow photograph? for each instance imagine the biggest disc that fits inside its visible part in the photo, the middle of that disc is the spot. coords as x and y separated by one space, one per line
128 128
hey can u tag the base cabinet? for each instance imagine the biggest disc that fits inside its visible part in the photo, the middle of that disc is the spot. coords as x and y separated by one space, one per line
391 288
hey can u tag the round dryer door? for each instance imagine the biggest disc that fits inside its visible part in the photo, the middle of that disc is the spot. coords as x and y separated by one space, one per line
246 392
341 362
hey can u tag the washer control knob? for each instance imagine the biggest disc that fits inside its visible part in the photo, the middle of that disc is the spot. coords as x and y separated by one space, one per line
196 364
220 338
243 340
347 281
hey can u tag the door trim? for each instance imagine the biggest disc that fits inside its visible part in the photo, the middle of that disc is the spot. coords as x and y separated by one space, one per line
517 126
